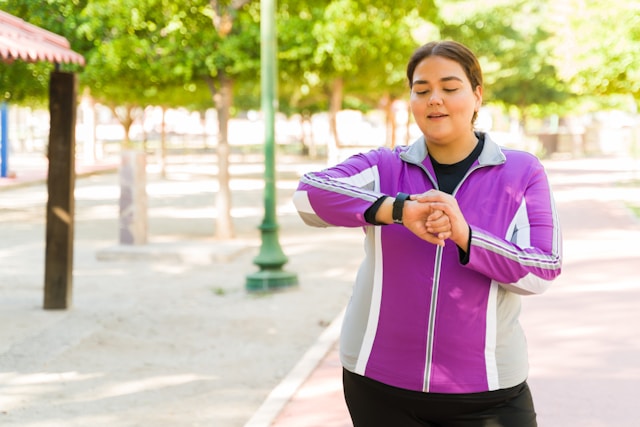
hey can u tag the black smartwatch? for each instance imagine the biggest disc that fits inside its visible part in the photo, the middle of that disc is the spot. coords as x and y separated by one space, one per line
398 205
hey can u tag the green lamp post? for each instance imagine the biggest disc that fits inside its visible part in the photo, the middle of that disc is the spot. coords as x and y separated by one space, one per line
271 258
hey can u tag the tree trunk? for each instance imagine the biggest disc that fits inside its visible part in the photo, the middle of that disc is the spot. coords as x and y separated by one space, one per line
88 117
126 120
313 148
335 105
203 122
306 136
523 120
163 144
390 120
407 135
223 100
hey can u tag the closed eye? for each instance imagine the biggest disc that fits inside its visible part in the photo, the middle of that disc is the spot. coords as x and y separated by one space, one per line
426 91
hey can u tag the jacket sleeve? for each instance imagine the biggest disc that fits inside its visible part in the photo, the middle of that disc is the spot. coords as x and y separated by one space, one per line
529 257
340 195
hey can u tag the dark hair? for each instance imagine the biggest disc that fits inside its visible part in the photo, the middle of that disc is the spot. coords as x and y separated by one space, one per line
451 50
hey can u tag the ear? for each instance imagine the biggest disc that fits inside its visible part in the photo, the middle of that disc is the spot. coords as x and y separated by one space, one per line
478 94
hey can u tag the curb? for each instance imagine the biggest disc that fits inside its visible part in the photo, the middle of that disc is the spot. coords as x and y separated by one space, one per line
283 392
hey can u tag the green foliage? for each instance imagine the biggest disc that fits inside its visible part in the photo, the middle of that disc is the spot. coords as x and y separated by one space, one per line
57 16
28 83
128 60
365 43
542 56
600 45
25 83
300 84
515 47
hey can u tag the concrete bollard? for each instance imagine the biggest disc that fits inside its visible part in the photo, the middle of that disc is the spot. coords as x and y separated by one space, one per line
133 198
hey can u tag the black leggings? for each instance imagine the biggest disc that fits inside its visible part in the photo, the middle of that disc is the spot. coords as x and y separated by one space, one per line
374 404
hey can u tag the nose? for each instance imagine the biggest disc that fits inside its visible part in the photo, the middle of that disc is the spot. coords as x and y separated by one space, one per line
435 98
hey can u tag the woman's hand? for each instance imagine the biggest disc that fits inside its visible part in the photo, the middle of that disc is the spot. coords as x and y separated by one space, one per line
455 227
426 221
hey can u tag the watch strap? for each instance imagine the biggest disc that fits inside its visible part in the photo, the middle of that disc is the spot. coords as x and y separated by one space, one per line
398 206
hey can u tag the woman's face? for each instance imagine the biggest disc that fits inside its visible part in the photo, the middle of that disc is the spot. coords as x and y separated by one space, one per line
443 101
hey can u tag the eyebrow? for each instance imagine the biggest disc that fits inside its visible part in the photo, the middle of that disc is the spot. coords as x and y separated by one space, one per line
444 79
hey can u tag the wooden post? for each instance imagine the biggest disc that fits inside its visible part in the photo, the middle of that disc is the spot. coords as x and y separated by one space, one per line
58 274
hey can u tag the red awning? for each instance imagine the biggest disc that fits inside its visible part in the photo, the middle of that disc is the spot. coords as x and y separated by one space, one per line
21 40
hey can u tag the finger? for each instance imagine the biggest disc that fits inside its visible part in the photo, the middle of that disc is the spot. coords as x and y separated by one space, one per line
431 238
444 235
431 196
435 238
439 229
448 211
427 195
436 215
440 225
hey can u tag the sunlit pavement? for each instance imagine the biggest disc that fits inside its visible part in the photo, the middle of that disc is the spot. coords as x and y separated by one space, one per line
168 330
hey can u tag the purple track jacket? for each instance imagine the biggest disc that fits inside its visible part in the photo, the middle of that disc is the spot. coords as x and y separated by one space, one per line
418 319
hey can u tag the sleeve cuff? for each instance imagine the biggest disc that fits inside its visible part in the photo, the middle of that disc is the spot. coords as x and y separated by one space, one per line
464 256
370 213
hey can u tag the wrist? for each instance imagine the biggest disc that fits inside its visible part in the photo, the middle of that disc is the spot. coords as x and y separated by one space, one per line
464 239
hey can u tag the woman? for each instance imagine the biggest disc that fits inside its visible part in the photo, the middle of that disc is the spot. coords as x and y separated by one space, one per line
456 230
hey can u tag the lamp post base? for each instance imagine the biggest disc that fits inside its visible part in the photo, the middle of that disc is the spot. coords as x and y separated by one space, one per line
269 280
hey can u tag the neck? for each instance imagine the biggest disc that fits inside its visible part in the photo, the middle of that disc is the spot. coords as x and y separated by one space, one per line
448 154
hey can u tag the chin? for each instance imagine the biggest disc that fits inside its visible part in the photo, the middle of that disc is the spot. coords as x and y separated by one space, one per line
438 139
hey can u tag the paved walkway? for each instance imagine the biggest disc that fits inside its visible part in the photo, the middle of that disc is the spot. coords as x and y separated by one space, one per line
31 168
583 339
164 334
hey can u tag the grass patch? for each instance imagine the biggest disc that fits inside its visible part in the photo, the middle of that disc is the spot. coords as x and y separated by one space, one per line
219 291
635 208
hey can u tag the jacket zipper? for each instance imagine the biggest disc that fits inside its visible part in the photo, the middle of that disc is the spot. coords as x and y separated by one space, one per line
434 292
432 319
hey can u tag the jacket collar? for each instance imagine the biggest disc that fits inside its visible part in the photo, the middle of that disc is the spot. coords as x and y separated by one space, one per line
491 154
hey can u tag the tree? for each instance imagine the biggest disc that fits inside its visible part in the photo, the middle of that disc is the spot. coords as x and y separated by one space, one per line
220 45
237 42
515 46
145 49
129 64
326 65
598 46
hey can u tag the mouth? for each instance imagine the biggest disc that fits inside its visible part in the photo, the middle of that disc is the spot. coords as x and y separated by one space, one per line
436 115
